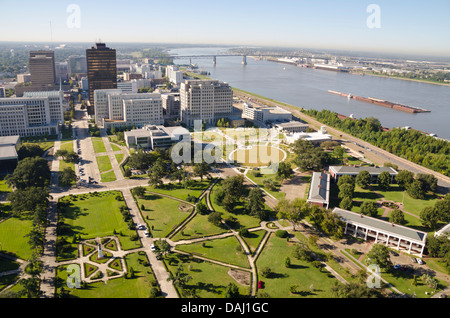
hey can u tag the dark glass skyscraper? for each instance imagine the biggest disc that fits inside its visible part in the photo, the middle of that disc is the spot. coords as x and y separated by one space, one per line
101 70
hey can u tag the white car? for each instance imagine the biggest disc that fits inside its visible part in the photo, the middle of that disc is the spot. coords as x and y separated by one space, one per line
147 234
153 247
419 261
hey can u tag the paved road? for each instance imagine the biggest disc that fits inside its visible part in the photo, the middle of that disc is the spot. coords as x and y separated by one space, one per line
375 154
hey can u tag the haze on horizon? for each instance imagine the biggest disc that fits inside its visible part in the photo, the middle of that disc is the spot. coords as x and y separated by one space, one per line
405 26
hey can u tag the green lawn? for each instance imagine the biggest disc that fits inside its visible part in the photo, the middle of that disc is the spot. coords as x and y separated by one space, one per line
311 282
68 146
227 250
259 180
98 144
243 219
253 239
108 176
115 147
138 287
208 279
4 187
104 164
162 214
13 238
119 157
96 215
177 190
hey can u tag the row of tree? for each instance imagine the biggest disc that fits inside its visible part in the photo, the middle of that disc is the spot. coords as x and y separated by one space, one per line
409 144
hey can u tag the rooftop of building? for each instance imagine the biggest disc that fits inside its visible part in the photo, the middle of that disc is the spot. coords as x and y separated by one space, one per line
8 147
380 225
319 190
292 123
356 169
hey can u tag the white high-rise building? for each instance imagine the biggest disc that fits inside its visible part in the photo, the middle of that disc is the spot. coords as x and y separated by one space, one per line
30 116
116 108
174 75
55 102
205 100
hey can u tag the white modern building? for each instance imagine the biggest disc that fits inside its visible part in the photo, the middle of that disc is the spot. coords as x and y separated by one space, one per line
174 75
314 137
114 108
154 136
56 104
205 100
291 127
395 236
261 115
29 116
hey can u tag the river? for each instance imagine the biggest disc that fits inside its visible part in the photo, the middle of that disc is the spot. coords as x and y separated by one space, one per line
308 88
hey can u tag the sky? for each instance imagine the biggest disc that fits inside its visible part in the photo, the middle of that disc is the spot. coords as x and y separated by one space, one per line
396 26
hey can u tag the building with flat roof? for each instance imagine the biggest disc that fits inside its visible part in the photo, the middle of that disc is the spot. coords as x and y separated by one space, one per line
319 189
42 68
152 137
116 108
338 171
314 137
174 75
29 116
396 236
171 105
262 114
443 231
9 147
205 100
101 71
291 127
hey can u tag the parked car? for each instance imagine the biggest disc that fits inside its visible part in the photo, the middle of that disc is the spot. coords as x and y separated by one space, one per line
398 266
419 261
153 247
147 234
413 259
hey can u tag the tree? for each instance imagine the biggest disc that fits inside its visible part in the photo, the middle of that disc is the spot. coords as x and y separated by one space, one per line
397 216
201 169
67 177
30 172
416 190
215 218
363 179
339 152
255 202
404 178
202 208
28 199
443 207
428 180
292 211
384 180
232 291
379 255
429 217
269 184
346 203
139 192
180 278
284 171
30 150
346 179
369 208
346 190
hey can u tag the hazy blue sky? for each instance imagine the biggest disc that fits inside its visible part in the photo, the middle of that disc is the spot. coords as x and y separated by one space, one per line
411 26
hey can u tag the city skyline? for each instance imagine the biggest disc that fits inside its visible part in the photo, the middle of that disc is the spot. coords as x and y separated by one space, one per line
377 26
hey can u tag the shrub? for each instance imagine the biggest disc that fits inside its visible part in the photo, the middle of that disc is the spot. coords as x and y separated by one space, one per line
282 233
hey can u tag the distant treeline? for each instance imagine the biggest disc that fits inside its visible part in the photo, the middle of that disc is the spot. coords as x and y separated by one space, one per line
412 145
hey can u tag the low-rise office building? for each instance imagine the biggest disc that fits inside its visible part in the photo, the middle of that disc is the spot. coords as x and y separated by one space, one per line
338 171
260 115
396 236
319 189
9 147
151 137
291 127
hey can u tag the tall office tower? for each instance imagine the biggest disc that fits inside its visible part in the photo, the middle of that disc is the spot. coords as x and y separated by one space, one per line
42 68
55 104
205 100
101 70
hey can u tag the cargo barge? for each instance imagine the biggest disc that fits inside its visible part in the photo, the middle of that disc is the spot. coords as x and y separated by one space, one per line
382 102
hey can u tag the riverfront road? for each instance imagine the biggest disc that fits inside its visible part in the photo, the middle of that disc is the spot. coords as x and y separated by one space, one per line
371 152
